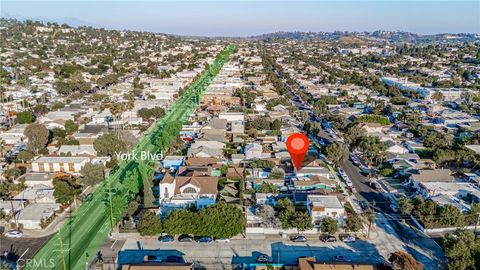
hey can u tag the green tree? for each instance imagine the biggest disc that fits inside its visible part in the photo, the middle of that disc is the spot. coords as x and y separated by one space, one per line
405 206
150 224
353 222
59 133
462 250
92 174
65 189
148 198
25 117
329 225
70 126
336 153
353 135
451 216
267 188
109 145
373 149
301 220
12 173
37 135
25 156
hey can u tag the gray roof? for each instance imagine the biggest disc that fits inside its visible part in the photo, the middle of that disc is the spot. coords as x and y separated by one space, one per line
325 201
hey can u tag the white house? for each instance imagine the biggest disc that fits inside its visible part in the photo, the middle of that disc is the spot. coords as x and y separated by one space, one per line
15 135
102 117
322 206
253 151
232 116
32 215
182 191
59 164
78 150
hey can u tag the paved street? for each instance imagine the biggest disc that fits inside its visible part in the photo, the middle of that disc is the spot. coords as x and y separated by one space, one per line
237 252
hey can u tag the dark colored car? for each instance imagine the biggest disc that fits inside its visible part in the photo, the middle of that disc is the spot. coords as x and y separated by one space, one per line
153 258
166 238
363 204
204 239
264 259
174 259
185 238
298 238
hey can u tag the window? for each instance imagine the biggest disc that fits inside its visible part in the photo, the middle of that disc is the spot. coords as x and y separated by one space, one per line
189 190
165 194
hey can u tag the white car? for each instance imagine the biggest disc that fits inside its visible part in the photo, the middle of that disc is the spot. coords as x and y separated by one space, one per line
13 234
222 240
350 239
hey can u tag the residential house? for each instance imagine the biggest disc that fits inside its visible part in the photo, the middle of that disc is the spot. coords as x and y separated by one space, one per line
173 162
182 191
310 263
437 175
33 214
308 171
253 151
15 135
59 164
78 150
314 182
322 206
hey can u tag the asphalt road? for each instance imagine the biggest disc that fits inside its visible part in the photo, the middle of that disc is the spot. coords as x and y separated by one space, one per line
16 247
245 251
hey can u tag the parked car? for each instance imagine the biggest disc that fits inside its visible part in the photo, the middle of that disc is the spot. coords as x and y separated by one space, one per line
363 204
153 258
174 259
298 238
328 238
394 207
13 234
349 239
185 238
264 259
166 238
222 240
204 239
341 258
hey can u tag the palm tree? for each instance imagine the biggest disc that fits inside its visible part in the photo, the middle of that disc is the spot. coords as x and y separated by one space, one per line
370 216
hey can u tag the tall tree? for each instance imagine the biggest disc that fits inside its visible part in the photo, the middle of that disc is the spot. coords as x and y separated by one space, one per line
400 260
92 174
65 189
37 135
336 153
329 225
150 224
109 145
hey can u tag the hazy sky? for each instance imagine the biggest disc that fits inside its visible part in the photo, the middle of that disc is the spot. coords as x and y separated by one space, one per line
243 18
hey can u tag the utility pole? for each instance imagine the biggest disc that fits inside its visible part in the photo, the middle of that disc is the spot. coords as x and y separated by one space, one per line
476 225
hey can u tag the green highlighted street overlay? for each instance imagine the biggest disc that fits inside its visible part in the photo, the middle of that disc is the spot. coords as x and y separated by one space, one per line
78 240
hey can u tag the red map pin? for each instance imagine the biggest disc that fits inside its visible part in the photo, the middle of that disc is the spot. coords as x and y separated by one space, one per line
297 145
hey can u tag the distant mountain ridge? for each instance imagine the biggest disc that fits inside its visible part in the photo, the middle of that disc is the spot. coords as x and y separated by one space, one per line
390 36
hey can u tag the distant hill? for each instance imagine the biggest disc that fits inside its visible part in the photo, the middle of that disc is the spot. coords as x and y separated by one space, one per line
362 37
